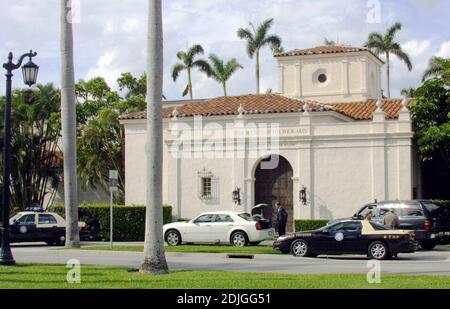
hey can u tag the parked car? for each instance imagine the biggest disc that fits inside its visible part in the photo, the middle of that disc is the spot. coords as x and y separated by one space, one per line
38 226
349 237
429 220
239 229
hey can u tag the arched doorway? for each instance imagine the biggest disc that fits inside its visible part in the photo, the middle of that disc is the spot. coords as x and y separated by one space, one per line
275 185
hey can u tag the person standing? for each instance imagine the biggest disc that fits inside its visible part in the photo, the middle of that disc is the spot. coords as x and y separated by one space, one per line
282 217
391 220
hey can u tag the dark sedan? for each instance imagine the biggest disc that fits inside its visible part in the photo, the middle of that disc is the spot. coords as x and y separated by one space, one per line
349 237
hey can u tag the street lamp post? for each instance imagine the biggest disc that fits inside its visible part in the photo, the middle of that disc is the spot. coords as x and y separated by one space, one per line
30 72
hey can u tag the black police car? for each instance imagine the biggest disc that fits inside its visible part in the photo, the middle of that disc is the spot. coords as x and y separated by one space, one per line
429 220
35 225
349 237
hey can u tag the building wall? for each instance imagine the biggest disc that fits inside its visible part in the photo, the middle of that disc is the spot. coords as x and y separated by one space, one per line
343 164
350 77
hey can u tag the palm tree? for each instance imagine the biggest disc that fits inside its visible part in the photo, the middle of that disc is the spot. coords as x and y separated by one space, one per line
438 67
221 71
154 259
69 129
188 63
257 38
385 44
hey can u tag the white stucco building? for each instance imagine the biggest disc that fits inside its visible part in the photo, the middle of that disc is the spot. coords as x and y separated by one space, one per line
327 131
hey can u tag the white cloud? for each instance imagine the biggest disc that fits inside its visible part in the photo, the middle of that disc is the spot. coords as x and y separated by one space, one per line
444 51
416 48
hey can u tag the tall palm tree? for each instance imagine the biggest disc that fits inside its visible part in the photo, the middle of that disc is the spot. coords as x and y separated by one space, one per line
221 71
69 129
385 44
257 38
154 258
438 67
188 63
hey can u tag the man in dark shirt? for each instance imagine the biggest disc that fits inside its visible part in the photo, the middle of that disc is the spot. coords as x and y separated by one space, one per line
282 217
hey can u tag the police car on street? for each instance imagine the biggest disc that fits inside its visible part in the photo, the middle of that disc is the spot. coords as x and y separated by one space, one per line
34 225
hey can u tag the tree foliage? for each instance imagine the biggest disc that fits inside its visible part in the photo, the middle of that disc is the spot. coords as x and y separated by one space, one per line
35 164
386 45
222 71
431 115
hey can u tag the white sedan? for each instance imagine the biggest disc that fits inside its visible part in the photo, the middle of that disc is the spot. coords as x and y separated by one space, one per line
239 229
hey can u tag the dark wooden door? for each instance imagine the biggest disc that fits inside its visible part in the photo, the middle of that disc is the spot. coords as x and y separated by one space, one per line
276 185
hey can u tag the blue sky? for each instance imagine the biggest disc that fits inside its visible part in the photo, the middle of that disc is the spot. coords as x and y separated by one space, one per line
110 38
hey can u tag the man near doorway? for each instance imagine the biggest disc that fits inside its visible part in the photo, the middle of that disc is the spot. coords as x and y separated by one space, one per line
282 217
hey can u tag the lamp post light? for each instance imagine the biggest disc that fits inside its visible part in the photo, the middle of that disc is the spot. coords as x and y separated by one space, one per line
30 73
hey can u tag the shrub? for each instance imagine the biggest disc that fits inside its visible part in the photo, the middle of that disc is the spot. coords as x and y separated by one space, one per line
308 225
444 203
129 221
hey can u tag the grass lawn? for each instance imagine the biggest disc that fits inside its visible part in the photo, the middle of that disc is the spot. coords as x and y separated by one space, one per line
54 276
194 249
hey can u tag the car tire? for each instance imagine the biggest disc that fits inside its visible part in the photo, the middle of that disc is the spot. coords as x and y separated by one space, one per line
60 240
239 239
427 245
173 238
301 248
378 250
256 243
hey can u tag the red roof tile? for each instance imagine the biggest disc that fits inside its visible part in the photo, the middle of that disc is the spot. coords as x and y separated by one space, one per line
273 104
323 50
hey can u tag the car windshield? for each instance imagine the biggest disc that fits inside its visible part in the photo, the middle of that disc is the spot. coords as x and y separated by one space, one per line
14 218
247 217
378 227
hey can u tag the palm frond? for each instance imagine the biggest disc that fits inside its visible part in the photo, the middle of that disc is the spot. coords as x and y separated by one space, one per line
390 33
186 91
273 41
245 34
397 50
436 67
176 70
194 51
261 31
203 66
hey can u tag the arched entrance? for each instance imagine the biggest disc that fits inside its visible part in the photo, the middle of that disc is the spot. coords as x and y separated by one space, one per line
275 185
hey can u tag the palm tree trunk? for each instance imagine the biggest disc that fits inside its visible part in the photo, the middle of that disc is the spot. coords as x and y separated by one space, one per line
224 85
258 89
68 119
191 91
388 67
154 258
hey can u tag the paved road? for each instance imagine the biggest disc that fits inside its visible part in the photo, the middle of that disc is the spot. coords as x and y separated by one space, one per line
435 262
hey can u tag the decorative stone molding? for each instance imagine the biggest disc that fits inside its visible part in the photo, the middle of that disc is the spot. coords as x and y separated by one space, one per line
379 115
175 113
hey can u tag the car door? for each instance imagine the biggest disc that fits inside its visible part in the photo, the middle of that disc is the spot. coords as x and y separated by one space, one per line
352 240
328 240
24 229
47 227
201 230
220 227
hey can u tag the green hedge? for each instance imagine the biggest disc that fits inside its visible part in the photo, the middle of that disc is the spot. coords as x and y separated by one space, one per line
129 221
444 203
308 225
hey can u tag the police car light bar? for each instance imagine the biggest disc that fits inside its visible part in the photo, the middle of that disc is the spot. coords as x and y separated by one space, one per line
35 209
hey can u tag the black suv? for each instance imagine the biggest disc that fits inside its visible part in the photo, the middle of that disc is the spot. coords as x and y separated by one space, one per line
429 220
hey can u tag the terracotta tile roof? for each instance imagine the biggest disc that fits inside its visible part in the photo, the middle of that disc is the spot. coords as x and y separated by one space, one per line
323 50
273 104
365 110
